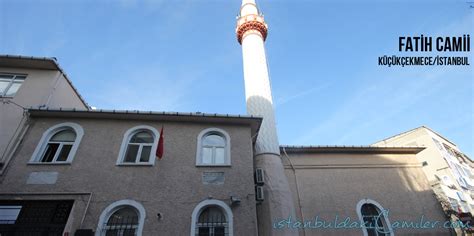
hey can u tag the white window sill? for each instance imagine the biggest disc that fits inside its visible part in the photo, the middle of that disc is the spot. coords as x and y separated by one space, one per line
213 165
135 164
49 163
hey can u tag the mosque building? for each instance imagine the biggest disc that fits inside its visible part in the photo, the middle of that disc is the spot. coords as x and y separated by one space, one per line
67 169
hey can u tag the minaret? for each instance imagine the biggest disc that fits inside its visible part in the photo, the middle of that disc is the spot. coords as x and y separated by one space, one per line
251 34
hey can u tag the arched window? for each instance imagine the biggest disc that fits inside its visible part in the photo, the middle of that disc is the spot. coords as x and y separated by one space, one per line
58 144
374 218
138 146
212 218
213 148
121 218
212 222
123 221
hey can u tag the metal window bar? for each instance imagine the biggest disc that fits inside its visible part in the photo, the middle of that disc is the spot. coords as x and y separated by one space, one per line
121 226
28 230
374 221
212 224
38 218
374 225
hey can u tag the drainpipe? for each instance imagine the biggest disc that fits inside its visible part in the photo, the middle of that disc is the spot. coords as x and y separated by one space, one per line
56 84
15 140
297 188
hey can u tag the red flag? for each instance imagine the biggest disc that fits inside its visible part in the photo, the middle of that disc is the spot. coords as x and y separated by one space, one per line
160 149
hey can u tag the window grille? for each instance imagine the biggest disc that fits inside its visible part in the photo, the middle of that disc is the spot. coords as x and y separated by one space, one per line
31 218
123 222
374 221
212 222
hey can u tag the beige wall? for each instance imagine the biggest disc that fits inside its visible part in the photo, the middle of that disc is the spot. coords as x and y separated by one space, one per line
172 187
333 184
41 87
437 165
431 155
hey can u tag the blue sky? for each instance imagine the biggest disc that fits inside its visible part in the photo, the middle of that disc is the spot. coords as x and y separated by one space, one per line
328 89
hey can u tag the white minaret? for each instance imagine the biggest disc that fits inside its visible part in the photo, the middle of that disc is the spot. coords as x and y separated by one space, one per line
251 34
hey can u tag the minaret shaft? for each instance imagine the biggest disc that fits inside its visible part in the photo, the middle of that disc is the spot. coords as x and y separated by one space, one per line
278 204
258 93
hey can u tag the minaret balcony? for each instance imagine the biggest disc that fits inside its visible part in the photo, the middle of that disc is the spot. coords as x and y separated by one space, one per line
251 23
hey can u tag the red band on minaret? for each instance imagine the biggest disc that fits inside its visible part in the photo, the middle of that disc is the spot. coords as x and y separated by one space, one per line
251 22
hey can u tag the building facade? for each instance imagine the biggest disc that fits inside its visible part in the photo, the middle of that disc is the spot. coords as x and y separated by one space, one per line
71 170
450 172
97 170
30 82
332 184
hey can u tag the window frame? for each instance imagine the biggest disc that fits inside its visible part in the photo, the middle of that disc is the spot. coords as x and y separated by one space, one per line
45 140
453 203
379 209
126 141
208 203
112 208
11 208
58 151
3 93
227 148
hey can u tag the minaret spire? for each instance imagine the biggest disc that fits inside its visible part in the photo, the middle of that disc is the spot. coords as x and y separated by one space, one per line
278 204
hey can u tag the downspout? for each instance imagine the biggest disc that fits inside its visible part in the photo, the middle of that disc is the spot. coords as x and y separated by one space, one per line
297 188
56 84
15 140
85 211
16 130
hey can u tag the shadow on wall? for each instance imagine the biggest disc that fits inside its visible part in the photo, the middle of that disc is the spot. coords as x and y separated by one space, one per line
267 139
327 186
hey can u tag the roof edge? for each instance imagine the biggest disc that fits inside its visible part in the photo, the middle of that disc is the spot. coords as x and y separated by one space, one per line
412 130
116 111
55 63
351 149
253 121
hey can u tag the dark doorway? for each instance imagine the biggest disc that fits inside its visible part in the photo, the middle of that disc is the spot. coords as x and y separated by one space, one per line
34 218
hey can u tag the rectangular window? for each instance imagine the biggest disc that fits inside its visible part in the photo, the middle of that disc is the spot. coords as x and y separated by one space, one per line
468 172
461 196
207 155
50 152
450 151
64 152
454 203
131 154
447 181
220 156
460 170
9 84
145 156
464 207
9 214
438 144
204 231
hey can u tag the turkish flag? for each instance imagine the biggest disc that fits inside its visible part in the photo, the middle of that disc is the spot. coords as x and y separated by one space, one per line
160 149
